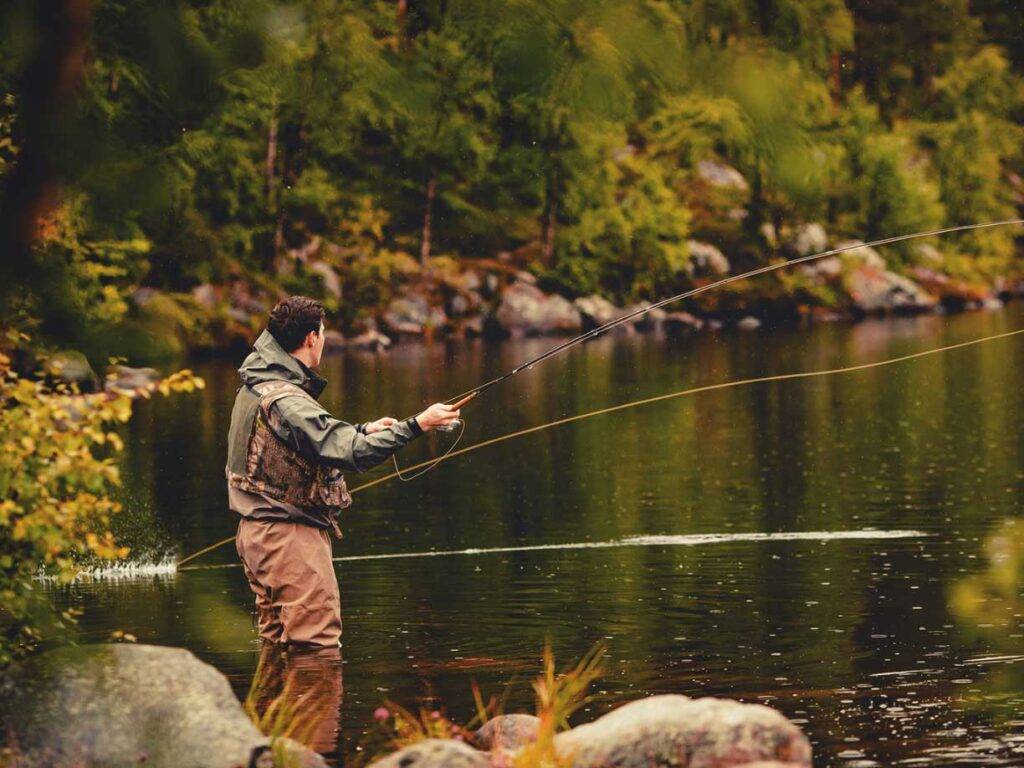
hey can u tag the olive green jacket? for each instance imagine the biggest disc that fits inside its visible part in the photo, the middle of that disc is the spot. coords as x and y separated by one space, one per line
303 425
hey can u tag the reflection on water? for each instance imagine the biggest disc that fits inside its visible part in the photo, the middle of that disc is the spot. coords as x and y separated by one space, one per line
866 642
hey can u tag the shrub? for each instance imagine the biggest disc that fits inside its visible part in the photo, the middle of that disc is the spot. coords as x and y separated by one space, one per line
57 473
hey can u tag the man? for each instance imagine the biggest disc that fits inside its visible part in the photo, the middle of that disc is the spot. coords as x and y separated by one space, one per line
286 455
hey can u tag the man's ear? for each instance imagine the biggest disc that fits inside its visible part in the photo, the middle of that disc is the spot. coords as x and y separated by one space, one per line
310 340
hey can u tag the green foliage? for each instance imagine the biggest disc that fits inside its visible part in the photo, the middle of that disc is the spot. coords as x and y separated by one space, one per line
216 140
57 474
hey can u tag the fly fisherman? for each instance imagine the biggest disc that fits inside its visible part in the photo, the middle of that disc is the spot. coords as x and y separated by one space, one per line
286 455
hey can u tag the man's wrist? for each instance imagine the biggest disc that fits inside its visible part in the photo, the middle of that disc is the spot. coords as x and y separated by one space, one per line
414 426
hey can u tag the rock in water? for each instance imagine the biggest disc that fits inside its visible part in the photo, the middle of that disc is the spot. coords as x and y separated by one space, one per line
508 731
435 753
525 310
678 731
127 705
72 368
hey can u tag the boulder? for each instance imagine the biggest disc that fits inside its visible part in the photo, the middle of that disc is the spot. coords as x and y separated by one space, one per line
508 732
810 238
678 322
597 310
864 255
525 310
873 290
71 368
677 731
205 296
372 340
706 259
411 315
126 377
749 323
128 705
955 294
721 175
435 753
648 321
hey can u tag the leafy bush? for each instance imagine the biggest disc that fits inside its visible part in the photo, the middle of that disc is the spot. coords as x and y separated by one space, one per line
57 473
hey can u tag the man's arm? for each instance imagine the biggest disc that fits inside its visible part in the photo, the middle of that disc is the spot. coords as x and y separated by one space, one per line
313 432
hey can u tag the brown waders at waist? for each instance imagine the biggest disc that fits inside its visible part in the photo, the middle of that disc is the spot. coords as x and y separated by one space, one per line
289 568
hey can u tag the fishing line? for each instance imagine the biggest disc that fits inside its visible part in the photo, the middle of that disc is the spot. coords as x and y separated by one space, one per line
656 399
670 540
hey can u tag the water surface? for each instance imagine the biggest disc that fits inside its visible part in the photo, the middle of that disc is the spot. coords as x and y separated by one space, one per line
885 650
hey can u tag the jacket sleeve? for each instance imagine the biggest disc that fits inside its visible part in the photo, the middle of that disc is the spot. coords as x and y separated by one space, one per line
313 432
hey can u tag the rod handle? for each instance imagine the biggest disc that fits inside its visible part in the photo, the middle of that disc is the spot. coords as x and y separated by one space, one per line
464 400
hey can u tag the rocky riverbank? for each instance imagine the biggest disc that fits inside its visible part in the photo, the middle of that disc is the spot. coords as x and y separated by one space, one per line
124 706
494 298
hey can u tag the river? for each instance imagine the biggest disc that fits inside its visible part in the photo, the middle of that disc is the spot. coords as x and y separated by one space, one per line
884 650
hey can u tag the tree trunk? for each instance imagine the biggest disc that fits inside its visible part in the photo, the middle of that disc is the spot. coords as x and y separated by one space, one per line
403 20
52 76
425 240
550 217
271 159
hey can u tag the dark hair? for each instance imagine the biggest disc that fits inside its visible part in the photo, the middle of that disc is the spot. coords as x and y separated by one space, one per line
293 318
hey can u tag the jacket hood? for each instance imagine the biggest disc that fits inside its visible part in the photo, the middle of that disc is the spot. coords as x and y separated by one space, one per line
269 362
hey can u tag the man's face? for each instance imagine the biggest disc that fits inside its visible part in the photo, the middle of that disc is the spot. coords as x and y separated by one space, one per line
318 346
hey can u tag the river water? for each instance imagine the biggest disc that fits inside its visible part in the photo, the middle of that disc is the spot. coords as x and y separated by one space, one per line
885 650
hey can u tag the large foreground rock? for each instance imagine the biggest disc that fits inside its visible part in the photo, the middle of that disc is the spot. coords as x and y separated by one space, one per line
525 310
681 732
128 705
508 731
435 753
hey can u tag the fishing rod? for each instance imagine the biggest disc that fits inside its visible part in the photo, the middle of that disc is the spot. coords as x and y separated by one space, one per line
720 386
471 394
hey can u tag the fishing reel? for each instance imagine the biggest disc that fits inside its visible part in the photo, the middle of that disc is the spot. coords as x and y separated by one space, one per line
451 426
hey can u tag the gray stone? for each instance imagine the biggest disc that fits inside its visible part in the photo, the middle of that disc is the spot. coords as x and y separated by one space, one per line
874 290
71 367
127 705
372 340
412 315
706 259
810 238
126 377
205 296
721 175
676 322
749 323
508 731
596 310
678 731
142 296
648 321
435 753
525 310
865 255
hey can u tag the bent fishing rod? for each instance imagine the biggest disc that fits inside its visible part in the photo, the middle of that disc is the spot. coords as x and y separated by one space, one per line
469 395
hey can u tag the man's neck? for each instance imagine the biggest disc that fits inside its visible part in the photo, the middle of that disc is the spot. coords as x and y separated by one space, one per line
303 357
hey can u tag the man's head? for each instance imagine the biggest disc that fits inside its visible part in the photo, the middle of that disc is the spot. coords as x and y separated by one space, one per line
297 323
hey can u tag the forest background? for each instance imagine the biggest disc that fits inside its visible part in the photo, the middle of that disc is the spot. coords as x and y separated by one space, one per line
168 169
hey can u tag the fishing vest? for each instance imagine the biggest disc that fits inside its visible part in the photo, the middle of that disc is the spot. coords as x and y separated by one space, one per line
278 472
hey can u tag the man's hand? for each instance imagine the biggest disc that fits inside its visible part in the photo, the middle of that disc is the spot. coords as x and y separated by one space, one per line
379 424
437 415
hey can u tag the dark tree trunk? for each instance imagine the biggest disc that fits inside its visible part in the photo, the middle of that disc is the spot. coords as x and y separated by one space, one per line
425 239
550 218
52 77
